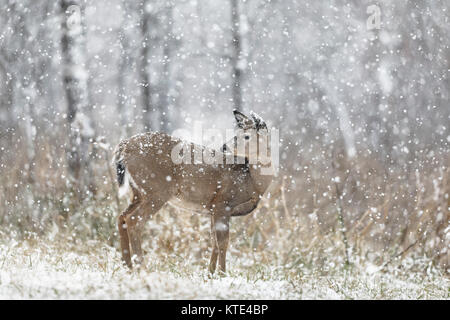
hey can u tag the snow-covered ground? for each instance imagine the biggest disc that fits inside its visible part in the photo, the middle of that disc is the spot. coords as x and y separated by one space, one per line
45 271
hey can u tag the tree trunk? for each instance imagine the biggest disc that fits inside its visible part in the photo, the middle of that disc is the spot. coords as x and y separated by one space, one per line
236 58
76 89
165 100
7 121
122 98
144 71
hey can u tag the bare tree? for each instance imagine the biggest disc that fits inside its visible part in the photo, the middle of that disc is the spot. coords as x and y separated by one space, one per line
156 32
144 69
168 42
121 83
76 88
236 57
123 66
7 93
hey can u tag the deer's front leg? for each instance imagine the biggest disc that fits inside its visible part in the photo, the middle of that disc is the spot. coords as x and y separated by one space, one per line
222 231
215 249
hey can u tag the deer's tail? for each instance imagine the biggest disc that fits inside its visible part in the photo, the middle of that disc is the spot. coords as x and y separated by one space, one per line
119 164
121 171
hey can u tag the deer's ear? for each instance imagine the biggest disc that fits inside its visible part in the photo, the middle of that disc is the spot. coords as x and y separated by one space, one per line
241 119
260 124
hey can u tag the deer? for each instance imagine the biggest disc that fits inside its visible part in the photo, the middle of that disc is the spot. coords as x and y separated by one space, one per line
147 173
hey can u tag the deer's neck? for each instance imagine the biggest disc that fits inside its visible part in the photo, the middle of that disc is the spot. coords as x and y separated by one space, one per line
261 175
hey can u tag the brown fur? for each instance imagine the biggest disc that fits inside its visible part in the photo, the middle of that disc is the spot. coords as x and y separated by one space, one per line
223 190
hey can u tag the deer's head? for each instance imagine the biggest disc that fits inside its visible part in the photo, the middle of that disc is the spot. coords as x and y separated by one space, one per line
252 138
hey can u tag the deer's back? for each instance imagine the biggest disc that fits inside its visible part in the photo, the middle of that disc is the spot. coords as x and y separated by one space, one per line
147 158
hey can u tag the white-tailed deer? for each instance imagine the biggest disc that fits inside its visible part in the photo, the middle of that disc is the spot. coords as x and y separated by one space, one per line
145 167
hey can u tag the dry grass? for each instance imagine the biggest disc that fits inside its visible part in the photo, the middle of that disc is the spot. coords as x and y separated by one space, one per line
37 269
396 221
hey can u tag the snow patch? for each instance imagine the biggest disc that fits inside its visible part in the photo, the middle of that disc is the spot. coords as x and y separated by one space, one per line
220 226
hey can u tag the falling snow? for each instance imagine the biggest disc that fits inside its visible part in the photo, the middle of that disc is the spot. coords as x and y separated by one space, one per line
358 91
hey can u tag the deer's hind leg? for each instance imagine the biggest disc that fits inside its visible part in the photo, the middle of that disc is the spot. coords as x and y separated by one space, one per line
123 229
135 223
